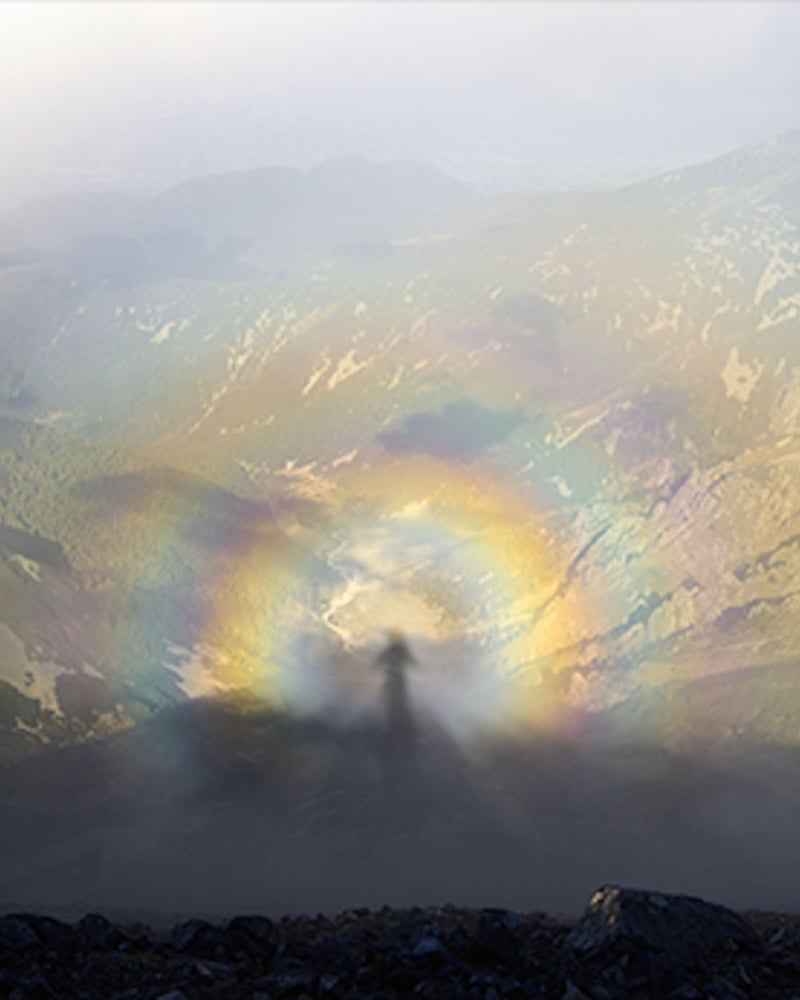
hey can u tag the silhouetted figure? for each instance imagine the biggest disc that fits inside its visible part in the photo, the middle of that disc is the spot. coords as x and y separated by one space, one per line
401 731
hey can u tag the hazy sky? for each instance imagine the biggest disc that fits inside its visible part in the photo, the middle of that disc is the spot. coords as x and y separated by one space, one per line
142 94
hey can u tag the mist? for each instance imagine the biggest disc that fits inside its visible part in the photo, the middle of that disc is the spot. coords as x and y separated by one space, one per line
217 809
138 97
399 439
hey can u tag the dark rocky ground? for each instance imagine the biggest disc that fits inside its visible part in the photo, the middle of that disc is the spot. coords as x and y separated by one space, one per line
628 943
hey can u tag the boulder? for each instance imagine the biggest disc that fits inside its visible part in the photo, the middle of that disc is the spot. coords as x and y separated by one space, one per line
255 936
632 939
198 938
16 934
502 933
99 931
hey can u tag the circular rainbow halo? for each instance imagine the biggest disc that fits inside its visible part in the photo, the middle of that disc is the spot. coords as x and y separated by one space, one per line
450 558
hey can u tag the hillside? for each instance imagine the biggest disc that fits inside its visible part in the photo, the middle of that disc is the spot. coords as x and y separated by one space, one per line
266 417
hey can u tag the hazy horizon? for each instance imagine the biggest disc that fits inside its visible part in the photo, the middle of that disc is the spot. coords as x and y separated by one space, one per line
137 97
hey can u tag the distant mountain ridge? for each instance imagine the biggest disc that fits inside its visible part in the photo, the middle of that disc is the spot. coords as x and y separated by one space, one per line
338 203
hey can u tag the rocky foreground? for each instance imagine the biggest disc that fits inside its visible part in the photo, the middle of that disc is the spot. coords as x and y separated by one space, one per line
628 944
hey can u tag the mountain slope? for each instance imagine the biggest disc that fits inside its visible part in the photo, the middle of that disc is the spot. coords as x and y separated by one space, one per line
552 438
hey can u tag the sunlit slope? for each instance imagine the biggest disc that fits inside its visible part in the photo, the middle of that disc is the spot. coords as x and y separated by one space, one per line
751 707
554 437
99 629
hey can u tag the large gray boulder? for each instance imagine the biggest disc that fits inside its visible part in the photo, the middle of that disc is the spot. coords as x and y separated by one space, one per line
631 939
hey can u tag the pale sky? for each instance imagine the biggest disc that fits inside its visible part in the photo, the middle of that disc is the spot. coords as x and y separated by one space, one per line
140 95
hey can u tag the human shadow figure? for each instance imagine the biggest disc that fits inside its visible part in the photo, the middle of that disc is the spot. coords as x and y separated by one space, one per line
400 734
